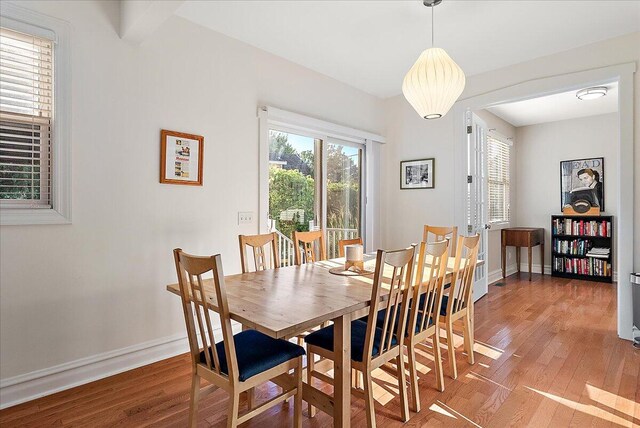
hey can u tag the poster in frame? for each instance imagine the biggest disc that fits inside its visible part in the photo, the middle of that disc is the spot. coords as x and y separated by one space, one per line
181 158
417 174
582 179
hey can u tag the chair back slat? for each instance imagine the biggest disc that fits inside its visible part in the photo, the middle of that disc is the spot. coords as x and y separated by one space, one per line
401 262
261 245
461 290
196 299
309 246
344 242
441 233
431 286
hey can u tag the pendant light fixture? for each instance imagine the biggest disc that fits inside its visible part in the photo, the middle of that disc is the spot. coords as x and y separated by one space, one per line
435 81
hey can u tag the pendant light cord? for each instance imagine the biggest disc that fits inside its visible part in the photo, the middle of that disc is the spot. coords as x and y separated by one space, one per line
432 20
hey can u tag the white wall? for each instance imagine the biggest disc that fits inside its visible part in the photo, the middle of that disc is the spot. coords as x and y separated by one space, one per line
494 258
541 148
98 285
405 212
409 137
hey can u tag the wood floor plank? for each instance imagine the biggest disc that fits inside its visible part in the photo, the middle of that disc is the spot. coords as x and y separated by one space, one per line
547 355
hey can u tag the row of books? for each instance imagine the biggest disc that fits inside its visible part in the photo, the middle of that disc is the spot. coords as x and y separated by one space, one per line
577 247
568 226
595 267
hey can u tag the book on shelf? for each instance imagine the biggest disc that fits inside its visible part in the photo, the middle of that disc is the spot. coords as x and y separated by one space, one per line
590 266
576 247
601 253
569 226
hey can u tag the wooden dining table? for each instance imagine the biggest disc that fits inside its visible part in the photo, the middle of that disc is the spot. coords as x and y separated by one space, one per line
288 301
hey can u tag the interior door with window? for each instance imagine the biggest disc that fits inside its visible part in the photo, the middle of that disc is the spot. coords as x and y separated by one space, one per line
477 194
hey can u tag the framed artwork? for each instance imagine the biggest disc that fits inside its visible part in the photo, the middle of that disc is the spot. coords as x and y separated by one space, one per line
582 180
181 158
417 174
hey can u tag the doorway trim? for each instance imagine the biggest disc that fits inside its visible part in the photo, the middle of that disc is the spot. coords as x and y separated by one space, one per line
623 74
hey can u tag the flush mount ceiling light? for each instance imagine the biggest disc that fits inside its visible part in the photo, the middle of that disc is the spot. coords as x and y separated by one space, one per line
591 93
435 81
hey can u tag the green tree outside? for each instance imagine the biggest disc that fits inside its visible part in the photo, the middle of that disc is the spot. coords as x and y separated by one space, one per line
292 193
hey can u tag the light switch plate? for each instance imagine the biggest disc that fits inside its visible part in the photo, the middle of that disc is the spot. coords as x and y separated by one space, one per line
245 217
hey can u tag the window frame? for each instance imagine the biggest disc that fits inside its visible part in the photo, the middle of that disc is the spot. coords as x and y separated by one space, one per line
499 224
26 21
274 118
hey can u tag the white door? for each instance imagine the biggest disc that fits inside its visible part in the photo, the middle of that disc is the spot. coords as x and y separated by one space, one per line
477 194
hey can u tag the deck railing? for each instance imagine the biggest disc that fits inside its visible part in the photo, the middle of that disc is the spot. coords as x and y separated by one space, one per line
333 235
285 249
336 234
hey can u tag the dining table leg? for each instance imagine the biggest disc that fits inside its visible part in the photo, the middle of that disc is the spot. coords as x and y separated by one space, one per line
342 371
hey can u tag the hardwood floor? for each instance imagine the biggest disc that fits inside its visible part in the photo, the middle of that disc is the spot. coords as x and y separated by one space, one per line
547 355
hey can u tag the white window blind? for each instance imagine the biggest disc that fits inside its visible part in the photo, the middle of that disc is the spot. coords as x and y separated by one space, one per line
499 179
26 114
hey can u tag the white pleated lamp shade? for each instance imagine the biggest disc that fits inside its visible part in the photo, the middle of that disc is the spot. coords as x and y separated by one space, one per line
433 83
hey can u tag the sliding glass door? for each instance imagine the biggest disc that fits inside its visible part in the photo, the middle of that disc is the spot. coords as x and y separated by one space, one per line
313 183
344 196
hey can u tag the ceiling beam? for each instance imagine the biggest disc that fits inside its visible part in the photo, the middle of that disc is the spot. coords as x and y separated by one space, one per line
140 18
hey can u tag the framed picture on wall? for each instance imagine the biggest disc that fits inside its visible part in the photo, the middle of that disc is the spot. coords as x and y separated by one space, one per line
582 180
181 158
417 174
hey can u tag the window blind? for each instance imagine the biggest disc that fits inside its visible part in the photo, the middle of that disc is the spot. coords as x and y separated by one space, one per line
26 114
499 179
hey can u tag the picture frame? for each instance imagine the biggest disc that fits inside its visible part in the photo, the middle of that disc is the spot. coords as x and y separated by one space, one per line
582 179
181 158
417 174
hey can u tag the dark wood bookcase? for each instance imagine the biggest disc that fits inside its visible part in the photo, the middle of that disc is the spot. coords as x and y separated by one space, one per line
572 237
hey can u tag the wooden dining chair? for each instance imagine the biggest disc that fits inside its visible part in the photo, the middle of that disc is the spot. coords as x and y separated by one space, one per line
373 346
344 242
440 233
261 245
238 362
424 317
309 246
458 304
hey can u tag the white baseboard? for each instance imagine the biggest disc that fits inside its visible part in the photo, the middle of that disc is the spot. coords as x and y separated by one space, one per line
535 268
39 383
496 275
36 384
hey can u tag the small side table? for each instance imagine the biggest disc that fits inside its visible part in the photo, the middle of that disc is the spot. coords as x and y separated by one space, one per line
522 237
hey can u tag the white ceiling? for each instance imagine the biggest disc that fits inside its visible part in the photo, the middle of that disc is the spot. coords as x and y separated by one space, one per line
372 44
552 108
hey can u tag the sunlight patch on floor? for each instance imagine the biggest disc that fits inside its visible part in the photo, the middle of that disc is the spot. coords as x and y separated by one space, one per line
421 368
458 339
487 350
613 401
385 386
455 414
588 409
477 376
435 408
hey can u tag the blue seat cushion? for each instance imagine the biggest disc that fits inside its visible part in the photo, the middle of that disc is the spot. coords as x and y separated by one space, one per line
323 338
443 306
256 352
383 312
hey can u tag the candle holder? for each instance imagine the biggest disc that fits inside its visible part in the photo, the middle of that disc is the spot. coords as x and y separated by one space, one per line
354 257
